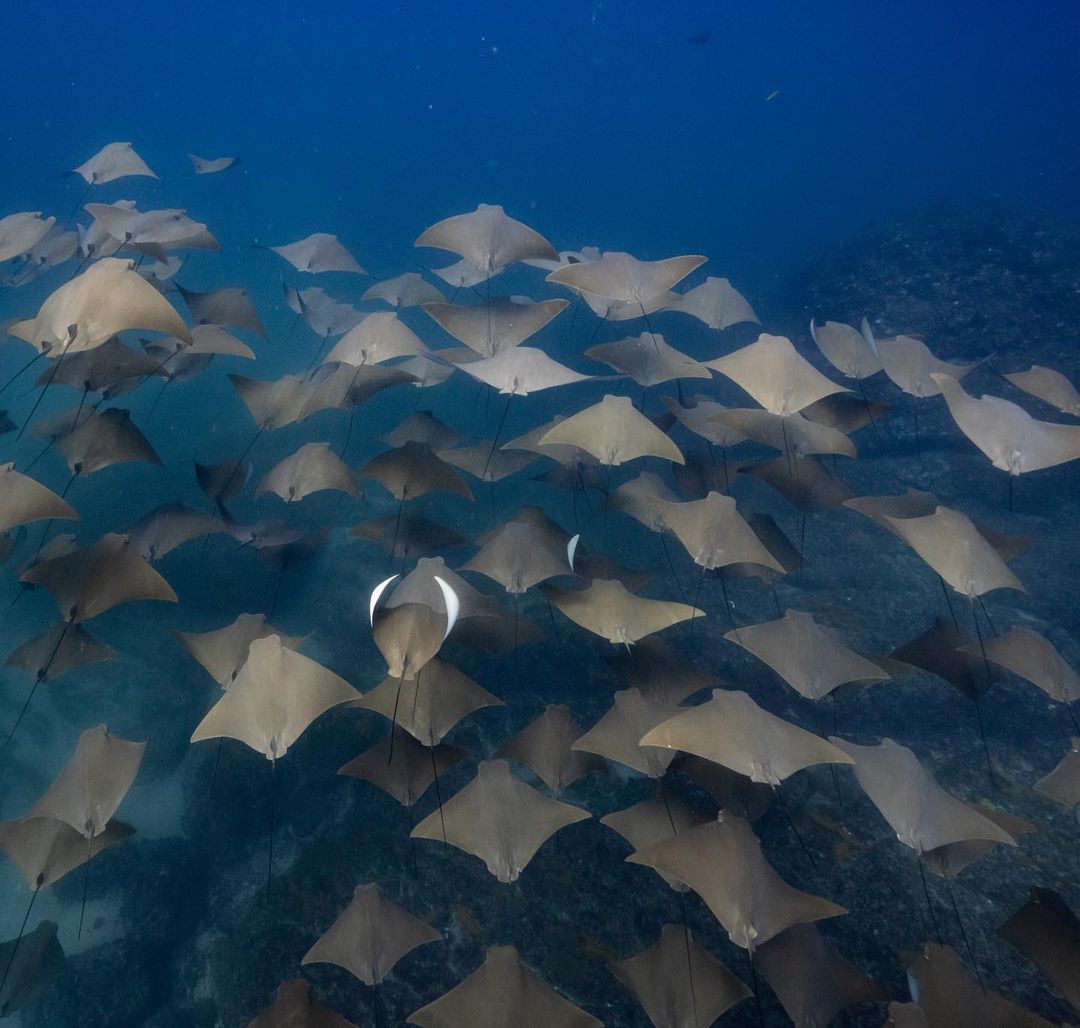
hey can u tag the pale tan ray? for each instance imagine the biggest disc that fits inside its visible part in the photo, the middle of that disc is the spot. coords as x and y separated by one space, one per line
93 783
911 366
224 651
499 819
211 165
420 586
699 418
923 815
1031 656
409 636
773 372
1047 932
487 238
273 699
813 659
45 849
377 338
723 863
431 704
950 995
324 315
953 547
24 500
791 433
502 992
90 581
423 427
716 302
1010 437
20 233
370 936
545 746
113 161
461 274
480 462
569 456
407 290
107 298
57 650
1045 384
780 547
619 276
519 557
277 403
411 470
317 253
714 534
607 609
647 359
31 962
905 1015
732 730
676 990
169 526
496 325
224 307
153 232
311 469
810 978
105 438
638 498
650 821
616 735
846 349
654 668
1063 783
614 432
520 371
345 387
410 773
295 1007
626 310
949 860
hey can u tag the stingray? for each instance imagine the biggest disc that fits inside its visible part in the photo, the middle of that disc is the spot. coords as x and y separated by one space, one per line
274 404
1063 783
1047 932
105 438
792 434
410 635
1032 657
614 432
723 863
802 481
714 533
845 413
813 659
648 360
499 819
911 366
111 162
345 387
377 338
679 983
430 705
369 937
544 746
616 735
294 1006
487 238
732 792
732 730
102 367
221 482
211 165
503 991
520 556
412 533
773 372
411 774
20 233
498 635
106 299
311 469
810 978
520 371
650 821
780 548
619 276
716 302
411 470
57 650
461 274
423 427
1045 384
167 527
24 500
699 418
153 233
607 609
222 652
952 546
638 498
224 307
949 995
317 253
407 290
949 860
485 464
923 815
324 315
1011 438
29 968
846 349
497 325
656 670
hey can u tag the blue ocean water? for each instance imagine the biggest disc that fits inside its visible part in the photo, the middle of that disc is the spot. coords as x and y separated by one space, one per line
755 134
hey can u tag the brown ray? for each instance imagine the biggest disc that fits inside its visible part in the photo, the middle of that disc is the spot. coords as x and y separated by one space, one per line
616 735
846 349
911 366
169 526
409 775
714 533
295 1006
699 418
407 290
311 469
520 556
412 470
495 326
57 650
105 438
613 431
224 651
790 433
802 481
231 307
377 338
423 427
317 253
1063 783
656 670
545 744
1050 386
24 499
1032 657
1047 932
650 821
413 533
30 963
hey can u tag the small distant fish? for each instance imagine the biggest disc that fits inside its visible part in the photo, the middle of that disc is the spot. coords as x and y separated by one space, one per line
773 95
700 38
